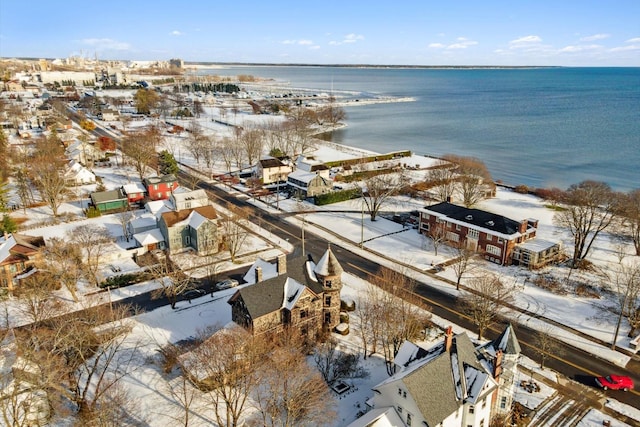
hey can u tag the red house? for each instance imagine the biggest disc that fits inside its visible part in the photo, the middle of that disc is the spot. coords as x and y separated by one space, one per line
135 192
160 187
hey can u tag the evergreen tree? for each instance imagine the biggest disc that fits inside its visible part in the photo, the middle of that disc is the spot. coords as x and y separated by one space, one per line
167 163
8 225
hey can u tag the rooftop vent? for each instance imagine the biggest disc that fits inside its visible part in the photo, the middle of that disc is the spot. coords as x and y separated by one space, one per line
468 217
490 223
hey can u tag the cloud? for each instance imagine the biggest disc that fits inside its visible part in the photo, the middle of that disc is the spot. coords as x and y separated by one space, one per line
595 37
633 40
461 43
580 48
349 38
525 40
176 33
626 48
299 42
106 44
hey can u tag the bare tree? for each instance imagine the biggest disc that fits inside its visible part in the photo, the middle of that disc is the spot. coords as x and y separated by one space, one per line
631 216
463 262
227 362
438 234
292 393
590 208
36 299
334 364
485 300
370 318
378 190
125 215
197 141
473 178
234 232
184 394
86 351
173 282
47 171
626 279
252 141
94 242
442 178
544 344
138 148
62 259
401 318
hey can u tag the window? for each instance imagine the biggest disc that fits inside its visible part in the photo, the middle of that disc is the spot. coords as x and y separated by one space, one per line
484 403
489 237
471 409
494 250
482 423
327 300
499 240
187 205
453 237
458 227
404 394
408 419
400 409
503 402
327 283
327 318
473 234
399 392
304 313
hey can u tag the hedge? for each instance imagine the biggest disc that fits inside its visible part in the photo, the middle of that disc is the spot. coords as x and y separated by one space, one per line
337 196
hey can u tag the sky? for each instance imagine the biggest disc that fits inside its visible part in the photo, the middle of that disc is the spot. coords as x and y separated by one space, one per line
423 32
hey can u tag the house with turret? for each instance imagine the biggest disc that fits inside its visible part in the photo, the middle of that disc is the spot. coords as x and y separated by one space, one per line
303 295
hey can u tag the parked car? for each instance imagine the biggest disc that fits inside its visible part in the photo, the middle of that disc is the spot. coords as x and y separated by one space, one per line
192 293
615 382
226 284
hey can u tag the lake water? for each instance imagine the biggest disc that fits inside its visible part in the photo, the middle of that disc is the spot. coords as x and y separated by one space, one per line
542 127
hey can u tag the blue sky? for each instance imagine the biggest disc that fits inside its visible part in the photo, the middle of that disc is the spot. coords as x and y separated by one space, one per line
426 32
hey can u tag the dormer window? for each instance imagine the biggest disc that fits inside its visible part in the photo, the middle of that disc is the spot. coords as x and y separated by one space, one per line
468 217
327 283
490 223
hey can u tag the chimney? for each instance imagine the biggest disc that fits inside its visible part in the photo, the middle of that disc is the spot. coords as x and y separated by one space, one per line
258 273
497 365
281 264
523 226
448 338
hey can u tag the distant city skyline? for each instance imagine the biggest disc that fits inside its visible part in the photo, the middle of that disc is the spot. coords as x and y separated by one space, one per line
502 33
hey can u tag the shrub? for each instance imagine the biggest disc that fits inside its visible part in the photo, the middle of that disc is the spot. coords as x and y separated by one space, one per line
522 189
93 212
337 196
122 280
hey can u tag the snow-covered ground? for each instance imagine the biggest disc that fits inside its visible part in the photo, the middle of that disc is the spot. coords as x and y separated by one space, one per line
164 325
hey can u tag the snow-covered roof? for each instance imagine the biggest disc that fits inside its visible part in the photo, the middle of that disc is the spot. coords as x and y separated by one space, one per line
195 220
6 244
157 207
133 188
292 292
144 220
149 237
302 176
328 265
537 245
269 271
379 417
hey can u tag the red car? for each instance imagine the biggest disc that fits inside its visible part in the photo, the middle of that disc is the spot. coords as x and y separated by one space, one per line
615 382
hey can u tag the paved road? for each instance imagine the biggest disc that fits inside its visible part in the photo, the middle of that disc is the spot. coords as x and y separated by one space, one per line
570 361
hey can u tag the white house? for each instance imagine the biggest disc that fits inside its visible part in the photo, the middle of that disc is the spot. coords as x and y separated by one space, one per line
76 174
447 385
189 200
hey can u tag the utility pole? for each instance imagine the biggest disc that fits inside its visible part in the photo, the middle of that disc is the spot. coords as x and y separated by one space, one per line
303 251
362 225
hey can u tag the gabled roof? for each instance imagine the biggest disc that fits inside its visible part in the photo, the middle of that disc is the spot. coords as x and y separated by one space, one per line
476 217
169 178
271 162
173 217
439 381
302 176
506 341
19 246
269 270
269 295
133 188
107 196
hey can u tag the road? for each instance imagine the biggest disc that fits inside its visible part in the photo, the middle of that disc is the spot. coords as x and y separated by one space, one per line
568 360
565 359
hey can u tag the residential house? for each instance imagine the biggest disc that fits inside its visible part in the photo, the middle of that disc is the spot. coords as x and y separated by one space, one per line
160 187
189 199
135 192
536 253
18 254
109 115
76 174
84 153
109 201
311 165
195 229
446 385
492 235
304 296
271 170
308 184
